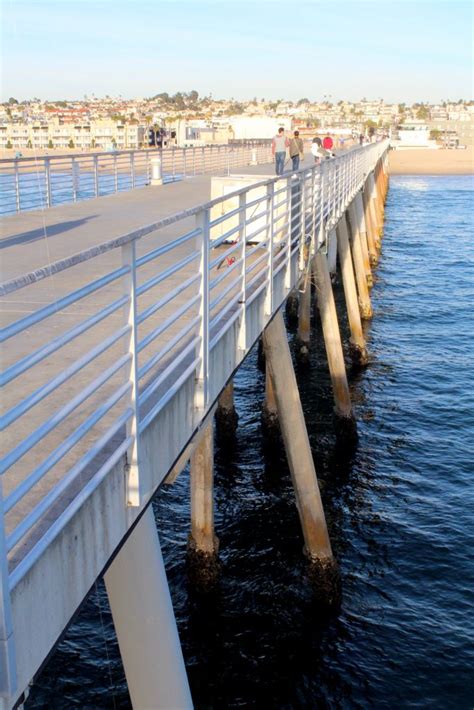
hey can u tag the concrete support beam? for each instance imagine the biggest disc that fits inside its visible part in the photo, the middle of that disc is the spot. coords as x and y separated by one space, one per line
362 231
361 279
291 307
269 409
226 416
304 316
332 339
370 226
370 195
144 622
295 437
202 502
357 340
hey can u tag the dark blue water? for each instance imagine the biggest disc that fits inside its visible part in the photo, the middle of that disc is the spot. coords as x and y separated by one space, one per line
400 512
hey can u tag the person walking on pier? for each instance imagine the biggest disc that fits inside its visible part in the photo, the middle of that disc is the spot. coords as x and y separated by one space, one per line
317 150
279 145
296 150
328 143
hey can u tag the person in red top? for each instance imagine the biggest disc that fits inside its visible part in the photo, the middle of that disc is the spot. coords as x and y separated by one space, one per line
328 143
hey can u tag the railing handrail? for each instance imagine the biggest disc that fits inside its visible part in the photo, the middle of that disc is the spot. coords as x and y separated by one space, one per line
126 151
27 279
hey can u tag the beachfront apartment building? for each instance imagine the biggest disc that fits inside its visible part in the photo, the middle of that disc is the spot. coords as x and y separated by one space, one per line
100 134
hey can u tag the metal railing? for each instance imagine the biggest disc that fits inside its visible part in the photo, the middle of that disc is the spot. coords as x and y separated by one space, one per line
131 321
40 182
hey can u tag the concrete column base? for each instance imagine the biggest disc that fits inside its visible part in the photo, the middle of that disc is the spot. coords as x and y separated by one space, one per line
227 418
260 355
325 580
358 354
291 309
270 425
156 182
227 421
302 351
203 568
345 428
366 312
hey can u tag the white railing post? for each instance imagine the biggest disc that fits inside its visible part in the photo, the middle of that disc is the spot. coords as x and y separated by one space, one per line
194 160
132 168
134 494
17 186
322 199
289 190
201 392
268 305
47 176
96 175
316 195
116 173
75 180
147 167
8 681
242 337
185 150
303 193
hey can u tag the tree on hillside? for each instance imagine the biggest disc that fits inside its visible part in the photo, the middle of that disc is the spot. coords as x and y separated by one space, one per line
71 144
423 112
50 143
9 144
235 108
29 144
11 100
303 101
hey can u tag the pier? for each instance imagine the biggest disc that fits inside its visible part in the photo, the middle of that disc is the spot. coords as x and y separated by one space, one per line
124 321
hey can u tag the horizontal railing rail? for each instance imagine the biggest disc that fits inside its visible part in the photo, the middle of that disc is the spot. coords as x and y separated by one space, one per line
144 316
45 181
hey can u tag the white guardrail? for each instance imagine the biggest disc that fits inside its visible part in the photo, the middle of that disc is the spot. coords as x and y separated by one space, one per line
40 182
129 321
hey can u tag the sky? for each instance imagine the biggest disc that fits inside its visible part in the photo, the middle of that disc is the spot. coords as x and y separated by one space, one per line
400 51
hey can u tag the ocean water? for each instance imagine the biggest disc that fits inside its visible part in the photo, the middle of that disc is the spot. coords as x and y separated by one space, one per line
400 510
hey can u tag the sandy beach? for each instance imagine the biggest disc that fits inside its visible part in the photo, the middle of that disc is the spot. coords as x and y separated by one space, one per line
424 161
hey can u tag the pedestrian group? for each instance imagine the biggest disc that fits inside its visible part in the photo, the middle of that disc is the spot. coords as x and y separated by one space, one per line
280 144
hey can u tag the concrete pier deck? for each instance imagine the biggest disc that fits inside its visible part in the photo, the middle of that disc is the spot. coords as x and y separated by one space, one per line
32 240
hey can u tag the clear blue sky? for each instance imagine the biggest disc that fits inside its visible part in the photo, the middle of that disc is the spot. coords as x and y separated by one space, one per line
401 51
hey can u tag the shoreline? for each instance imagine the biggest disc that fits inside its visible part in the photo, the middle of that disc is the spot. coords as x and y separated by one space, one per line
427 161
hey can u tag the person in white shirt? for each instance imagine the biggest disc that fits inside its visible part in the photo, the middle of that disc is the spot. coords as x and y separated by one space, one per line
279 145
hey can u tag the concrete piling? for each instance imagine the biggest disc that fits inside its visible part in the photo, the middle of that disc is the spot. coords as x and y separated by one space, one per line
362 232
300 460
292 305
304 317
361 279
271 426
332 341
226 417
357 344
144 621
203 545
376 202
371 228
